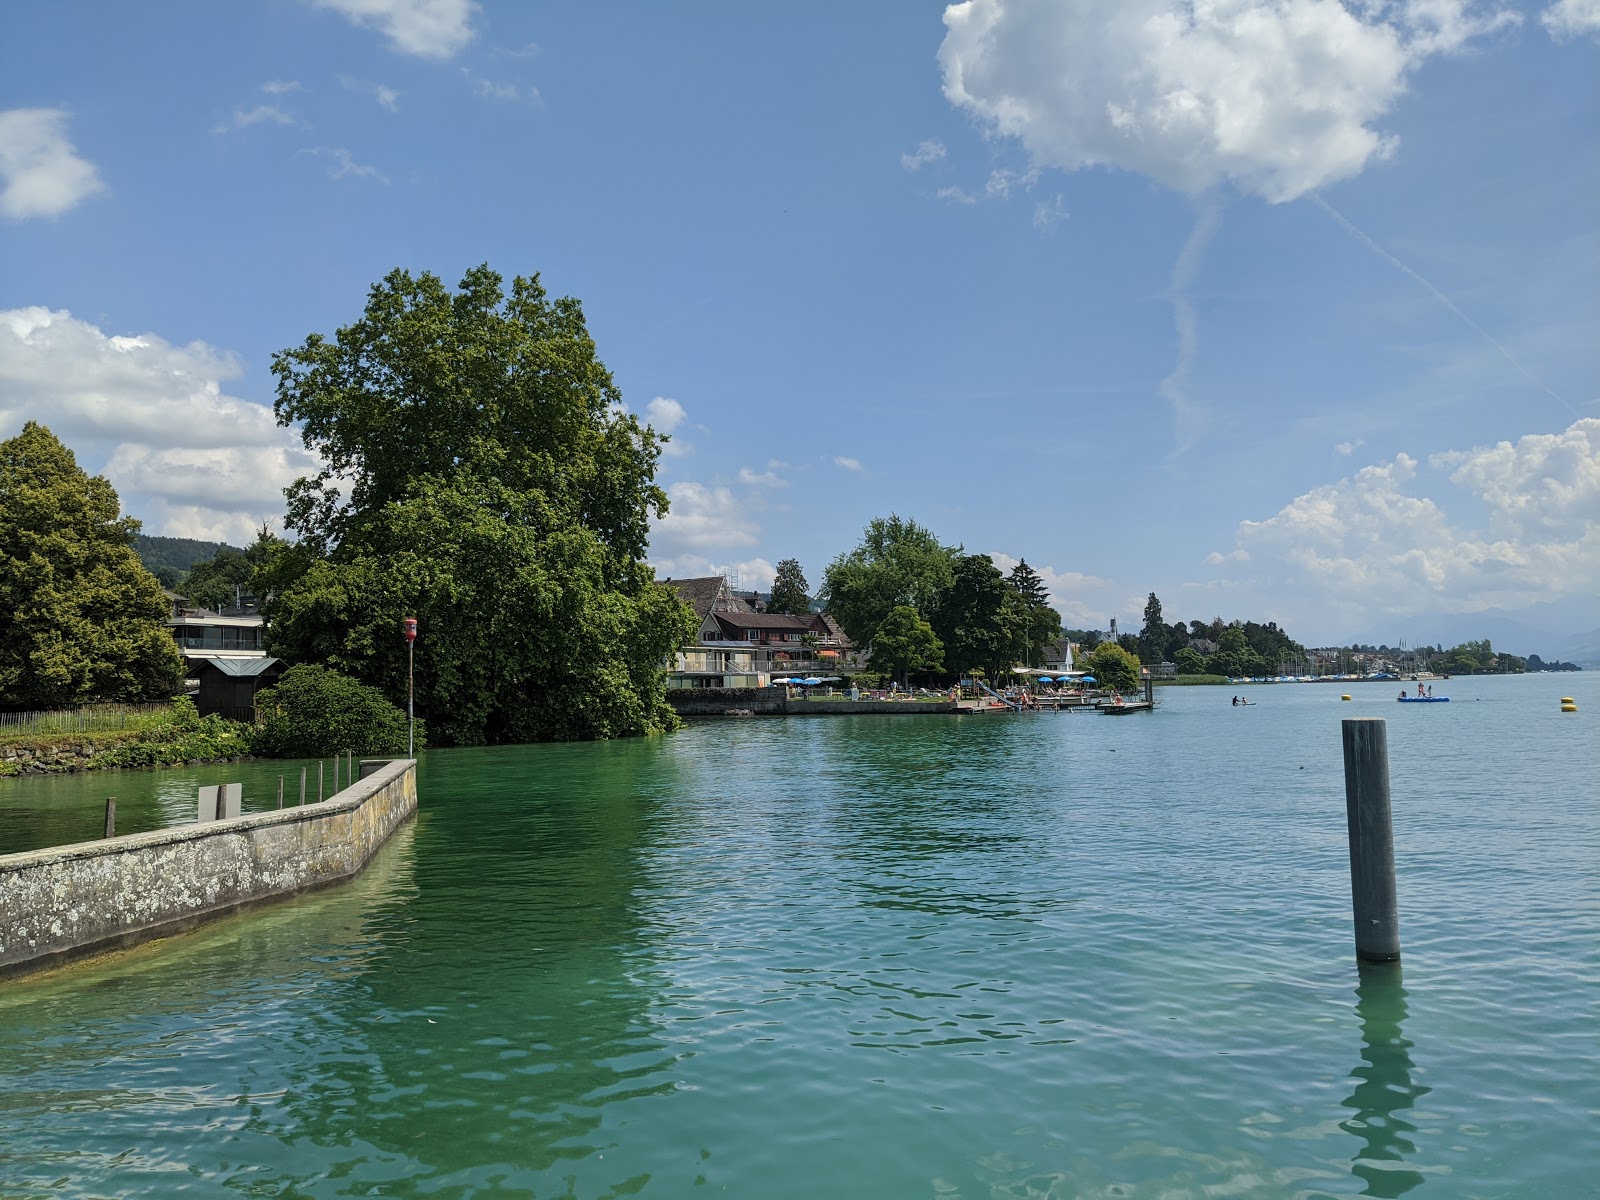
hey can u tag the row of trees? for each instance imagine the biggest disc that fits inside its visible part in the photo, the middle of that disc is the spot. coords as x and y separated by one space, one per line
924 607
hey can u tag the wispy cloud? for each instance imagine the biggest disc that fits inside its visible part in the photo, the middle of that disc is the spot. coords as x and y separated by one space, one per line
1348 448
768 478
848 464
956 195
426 28
281 87
930 151
490 89
1189 418
41 174
386 97
1047 216
243 118
344 166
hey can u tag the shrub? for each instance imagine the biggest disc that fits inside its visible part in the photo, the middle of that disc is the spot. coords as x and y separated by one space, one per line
314 711
185 736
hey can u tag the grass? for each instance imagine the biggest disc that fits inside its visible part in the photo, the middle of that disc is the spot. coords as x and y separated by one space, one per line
30 727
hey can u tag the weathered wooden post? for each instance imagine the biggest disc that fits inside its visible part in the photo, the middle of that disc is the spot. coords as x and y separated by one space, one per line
319 781
302 785
280 791
1366 801
111 816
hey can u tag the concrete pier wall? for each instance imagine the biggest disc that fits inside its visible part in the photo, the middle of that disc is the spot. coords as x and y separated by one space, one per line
71 901
773 701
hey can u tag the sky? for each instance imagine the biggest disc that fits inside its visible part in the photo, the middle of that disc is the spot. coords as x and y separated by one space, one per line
1282 309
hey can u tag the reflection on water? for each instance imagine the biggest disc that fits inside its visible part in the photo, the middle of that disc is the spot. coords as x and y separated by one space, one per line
1384 1089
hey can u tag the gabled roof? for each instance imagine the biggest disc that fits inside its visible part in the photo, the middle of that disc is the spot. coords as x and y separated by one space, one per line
699 594
243 667
755 620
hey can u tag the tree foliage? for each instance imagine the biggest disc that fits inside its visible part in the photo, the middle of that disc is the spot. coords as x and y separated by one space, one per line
790 591
312 711
979 618
905 643
483 477
83 620
1040 624
898 562
229 575
1112 667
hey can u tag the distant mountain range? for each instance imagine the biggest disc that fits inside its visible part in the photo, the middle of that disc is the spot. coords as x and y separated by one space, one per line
1547 630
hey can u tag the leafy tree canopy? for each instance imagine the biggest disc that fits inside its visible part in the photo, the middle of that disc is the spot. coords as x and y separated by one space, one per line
312 711
905 643
1112 667
897 563
498 492
979 618
220 581
83 619
790 591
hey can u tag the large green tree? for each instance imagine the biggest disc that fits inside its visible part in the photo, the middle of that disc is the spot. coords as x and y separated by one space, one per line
905 643
1112 667
229 575
980 618
81 620
1041 624
898 562
790 591
482 476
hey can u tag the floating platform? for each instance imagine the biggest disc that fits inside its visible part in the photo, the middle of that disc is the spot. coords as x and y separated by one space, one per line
1424 699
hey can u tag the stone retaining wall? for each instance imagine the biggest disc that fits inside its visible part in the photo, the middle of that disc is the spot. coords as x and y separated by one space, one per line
70 901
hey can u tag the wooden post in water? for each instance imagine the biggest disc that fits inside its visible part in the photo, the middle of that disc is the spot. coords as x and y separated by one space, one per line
302 785
280 791
1366 802
111 816
319 781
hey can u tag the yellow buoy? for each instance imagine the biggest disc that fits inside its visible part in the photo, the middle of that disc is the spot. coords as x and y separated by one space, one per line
1568 700
1569 708
1346 696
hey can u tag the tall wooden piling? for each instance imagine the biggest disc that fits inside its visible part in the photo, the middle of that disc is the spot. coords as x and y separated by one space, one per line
1366 800
302 785
319 781
280 791
111 816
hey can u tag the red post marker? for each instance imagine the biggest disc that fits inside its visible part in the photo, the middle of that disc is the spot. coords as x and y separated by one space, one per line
410 627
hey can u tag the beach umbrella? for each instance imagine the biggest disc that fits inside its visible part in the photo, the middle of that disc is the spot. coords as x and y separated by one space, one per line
1089 679
786 679
1046 679
813 680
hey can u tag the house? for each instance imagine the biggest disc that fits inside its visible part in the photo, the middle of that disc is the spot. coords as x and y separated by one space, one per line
229 685
203 635
737 644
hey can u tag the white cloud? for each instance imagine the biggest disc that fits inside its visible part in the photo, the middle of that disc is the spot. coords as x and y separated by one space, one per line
281 87
930 151
41 174
244 118
701 519
956 195
1572 18
768 478
386 97
489 89
1349 448
427 28
1047 216
1278 97
186 457
344 166
755 574
1369 544
848 464
664 415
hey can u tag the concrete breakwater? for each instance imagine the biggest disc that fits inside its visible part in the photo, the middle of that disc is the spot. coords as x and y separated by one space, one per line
774 701
71 901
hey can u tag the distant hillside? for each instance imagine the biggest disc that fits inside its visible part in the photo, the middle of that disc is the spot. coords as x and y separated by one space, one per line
169 558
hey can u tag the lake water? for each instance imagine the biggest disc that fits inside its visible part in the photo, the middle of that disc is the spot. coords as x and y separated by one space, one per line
1052 955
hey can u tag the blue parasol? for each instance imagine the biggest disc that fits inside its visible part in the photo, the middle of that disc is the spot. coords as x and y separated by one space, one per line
1089 679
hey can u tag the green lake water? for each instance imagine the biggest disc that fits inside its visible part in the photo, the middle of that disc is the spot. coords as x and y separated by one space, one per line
1051 955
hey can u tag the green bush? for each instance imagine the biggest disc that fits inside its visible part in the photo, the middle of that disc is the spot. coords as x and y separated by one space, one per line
185 736
314 711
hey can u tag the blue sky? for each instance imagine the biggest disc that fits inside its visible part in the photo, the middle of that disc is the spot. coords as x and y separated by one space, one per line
1284 310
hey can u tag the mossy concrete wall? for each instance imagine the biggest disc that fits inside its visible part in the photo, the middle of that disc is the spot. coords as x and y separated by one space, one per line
70 901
